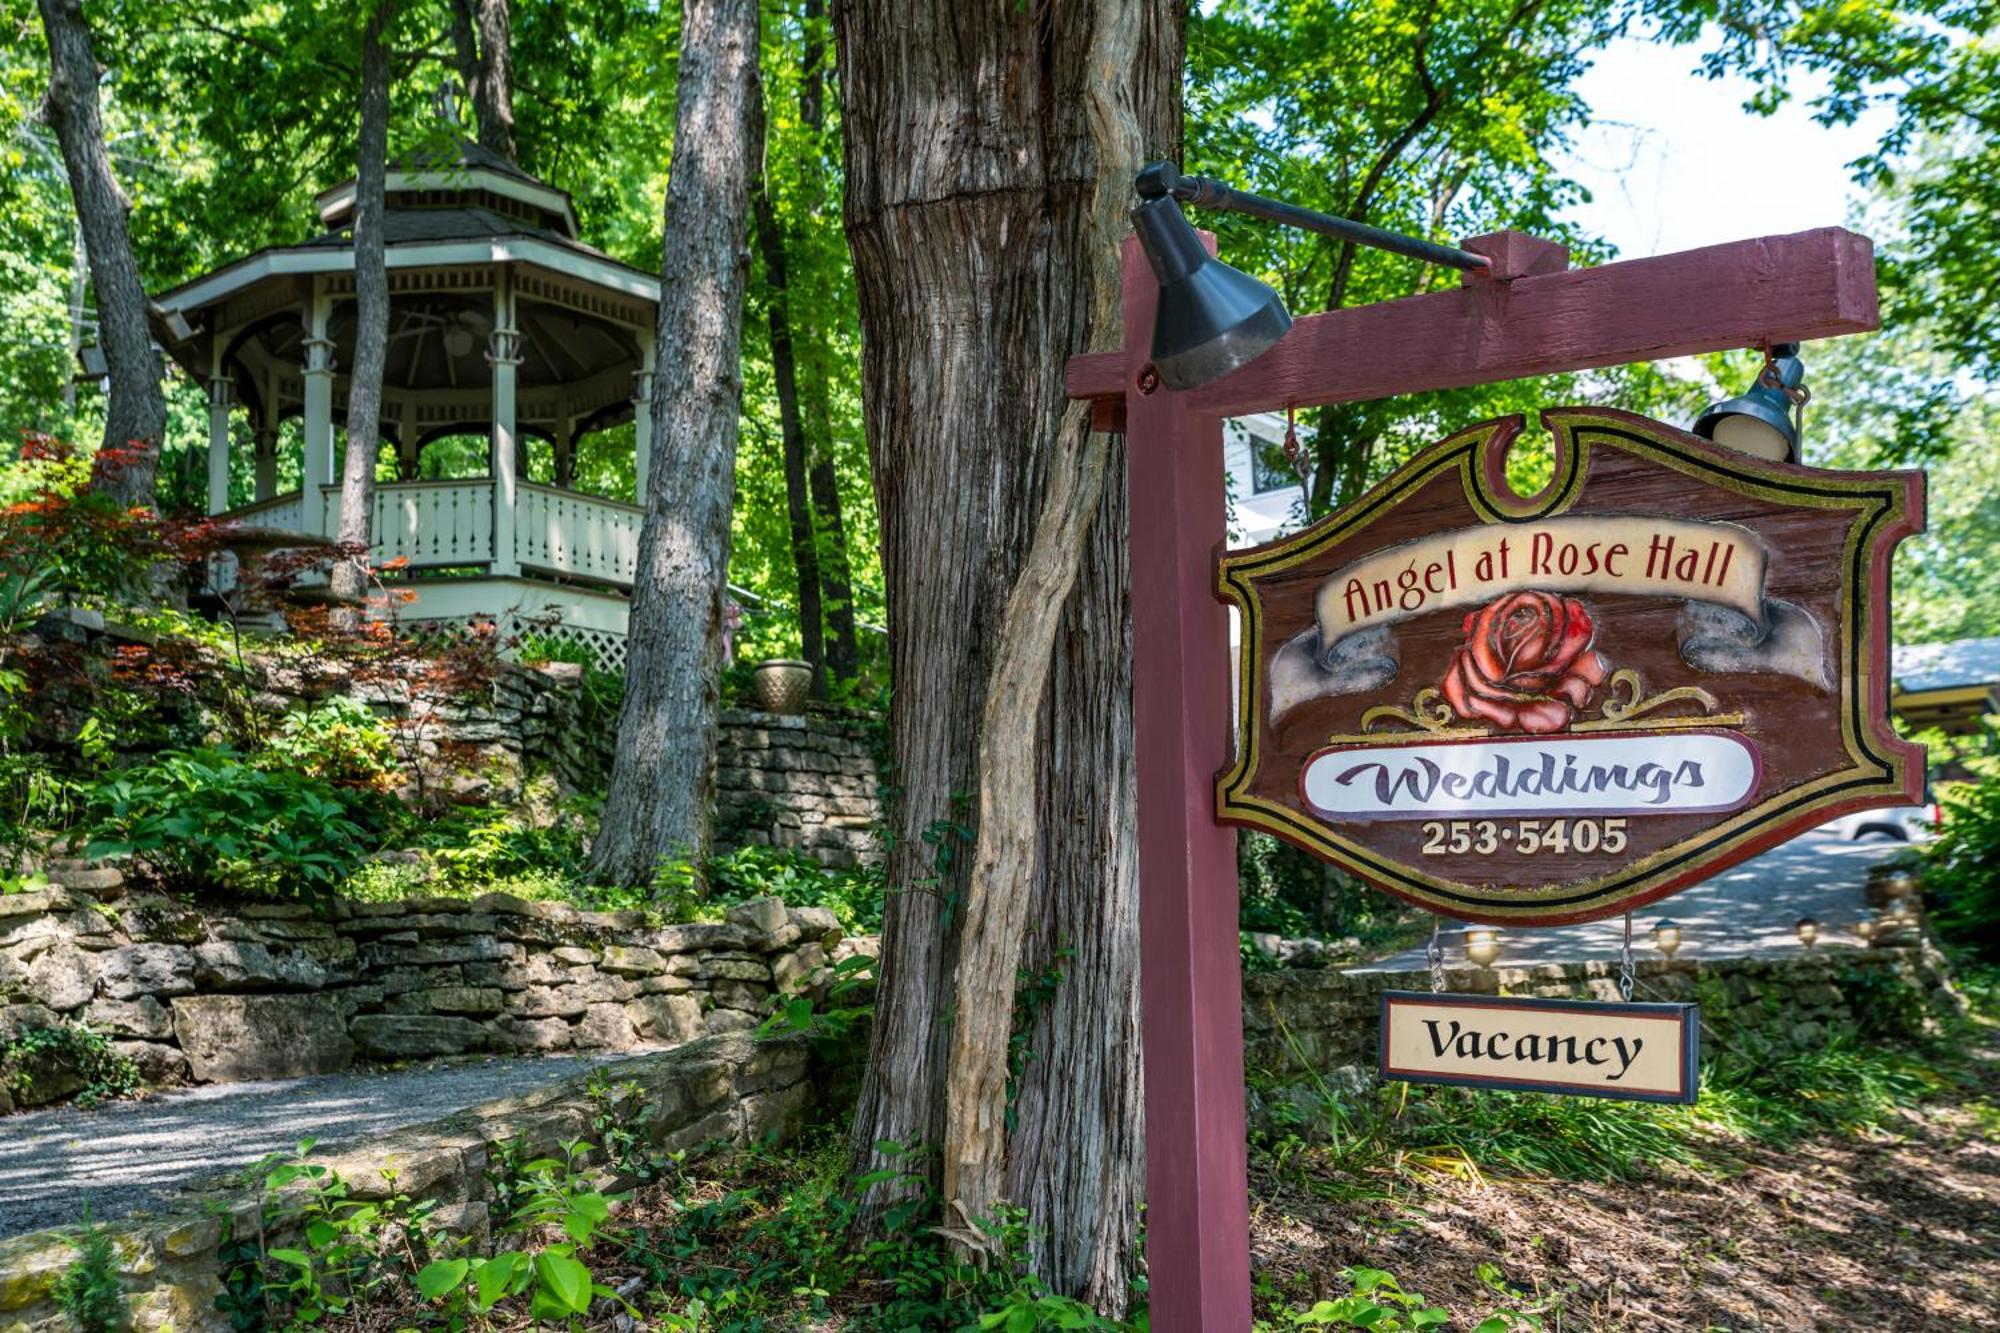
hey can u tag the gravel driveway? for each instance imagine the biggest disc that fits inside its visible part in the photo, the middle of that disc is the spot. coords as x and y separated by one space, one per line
128 1156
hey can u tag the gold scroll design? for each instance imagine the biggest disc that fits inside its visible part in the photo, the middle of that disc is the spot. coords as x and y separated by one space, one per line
1626 707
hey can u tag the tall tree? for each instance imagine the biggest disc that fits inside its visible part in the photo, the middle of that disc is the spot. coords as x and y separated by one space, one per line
482 37
785 380
663 769
1425 116
135 418
371 309
979 240
836 571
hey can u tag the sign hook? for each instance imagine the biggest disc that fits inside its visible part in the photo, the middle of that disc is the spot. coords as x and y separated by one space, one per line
1625 963
1434 954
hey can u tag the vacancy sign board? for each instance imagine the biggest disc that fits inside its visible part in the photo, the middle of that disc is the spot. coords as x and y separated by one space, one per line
1557 708
1634 1052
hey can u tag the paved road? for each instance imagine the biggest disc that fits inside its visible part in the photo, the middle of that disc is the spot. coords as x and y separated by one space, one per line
1749 909
128 1156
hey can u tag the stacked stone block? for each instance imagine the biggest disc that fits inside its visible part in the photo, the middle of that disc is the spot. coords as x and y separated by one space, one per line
277 990
808 783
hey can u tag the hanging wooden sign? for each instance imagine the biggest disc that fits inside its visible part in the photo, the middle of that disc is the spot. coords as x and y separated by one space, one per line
1557 708
1632 1052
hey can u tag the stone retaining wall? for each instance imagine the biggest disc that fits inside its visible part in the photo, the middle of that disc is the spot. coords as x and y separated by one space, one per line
806 782
1297 1020
276 990
721 1089
477 734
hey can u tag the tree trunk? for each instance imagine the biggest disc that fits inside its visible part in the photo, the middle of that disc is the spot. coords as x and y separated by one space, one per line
836 575
662 772
135 415
1008 849
784 374
977 244
483 37
371 316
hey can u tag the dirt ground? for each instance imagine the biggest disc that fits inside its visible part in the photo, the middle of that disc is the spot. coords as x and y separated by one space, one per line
1898 1231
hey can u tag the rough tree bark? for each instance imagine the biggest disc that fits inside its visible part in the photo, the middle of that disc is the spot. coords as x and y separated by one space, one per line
977 241
1000 889
483 38
135 415
784 375
371 316
662 771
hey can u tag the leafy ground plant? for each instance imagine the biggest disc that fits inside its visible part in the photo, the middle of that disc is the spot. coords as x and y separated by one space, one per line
209 819
44 1064
351 1258
87 1293
1961 869
556 1219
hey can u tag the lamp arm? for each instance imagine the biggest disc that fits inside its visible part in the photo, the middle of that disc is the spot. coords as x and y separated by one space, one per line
1158 179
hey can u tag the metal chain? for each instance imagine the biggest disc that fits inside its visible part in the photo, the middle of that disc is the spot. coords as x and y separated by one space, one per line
1435 955
1295 452
1625 961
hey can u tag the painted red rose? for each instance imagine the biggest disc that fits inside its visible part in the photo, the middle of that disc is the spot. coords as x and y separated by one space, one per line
1527 663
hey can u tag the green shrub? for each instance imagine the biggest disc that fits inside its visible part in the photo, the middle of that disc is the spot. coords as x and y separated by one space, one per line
44 1064
853 895
338 741
206 819
482 847
1961 869
603 691
1841 1087
1289 892
88 1291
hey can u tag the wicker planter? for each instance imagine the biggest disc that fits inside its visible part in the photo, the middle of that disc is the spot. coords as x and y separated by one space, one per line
783 685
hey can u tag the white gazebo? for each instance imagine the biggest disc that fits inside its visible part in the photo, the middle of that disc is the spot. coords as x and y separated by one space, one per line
502 324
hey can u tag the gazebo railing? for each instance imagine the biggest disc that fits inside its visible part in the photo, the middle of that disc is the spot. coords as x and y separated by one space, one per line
283 512
449 524
428 524
582 536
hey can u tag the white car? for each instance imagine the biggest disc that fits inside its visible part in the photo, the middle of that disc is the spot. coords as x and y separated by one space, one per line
1902 823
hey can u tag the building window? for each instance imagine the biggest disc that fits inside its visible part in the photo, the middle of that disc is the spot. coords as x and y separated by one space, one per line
1269 470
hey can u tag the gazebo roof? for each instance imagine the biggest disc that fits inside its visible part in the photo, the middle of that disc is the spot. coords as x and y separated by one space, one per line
448 216
467 174
404 225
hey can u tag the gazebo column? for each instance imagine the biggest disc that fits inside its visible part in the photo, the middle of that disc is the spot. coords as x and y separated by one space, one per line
221 396
642 422
504 354
318 469
264 452
265 460
565 449
409 452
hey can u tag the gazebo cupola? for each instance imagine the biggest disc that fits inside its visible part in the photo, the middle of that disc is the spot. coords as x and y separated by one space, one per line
502 324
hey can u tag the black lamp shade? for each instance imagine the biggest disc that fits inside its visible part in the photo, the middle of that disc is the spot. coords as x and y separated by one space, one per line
1211 318
1767 406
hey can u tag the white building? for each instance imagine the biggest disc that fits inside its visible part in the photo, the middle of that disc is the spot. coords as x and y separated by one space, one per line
1267 498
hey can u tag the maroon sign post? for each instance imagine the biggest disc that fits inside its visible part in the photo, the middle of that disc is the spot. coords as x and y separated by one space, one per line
1527 315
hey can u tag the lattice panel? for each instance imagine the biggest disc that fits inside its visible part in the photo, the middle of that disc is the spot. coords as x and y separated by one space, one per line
606 646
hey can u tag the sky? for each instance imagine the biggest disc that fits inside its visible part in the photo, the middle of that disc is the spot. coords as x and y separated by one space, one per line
1675 162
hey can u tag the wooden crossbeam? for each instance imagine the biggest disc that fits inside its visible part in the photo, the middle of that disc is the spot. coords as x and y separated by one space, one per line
1812 284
